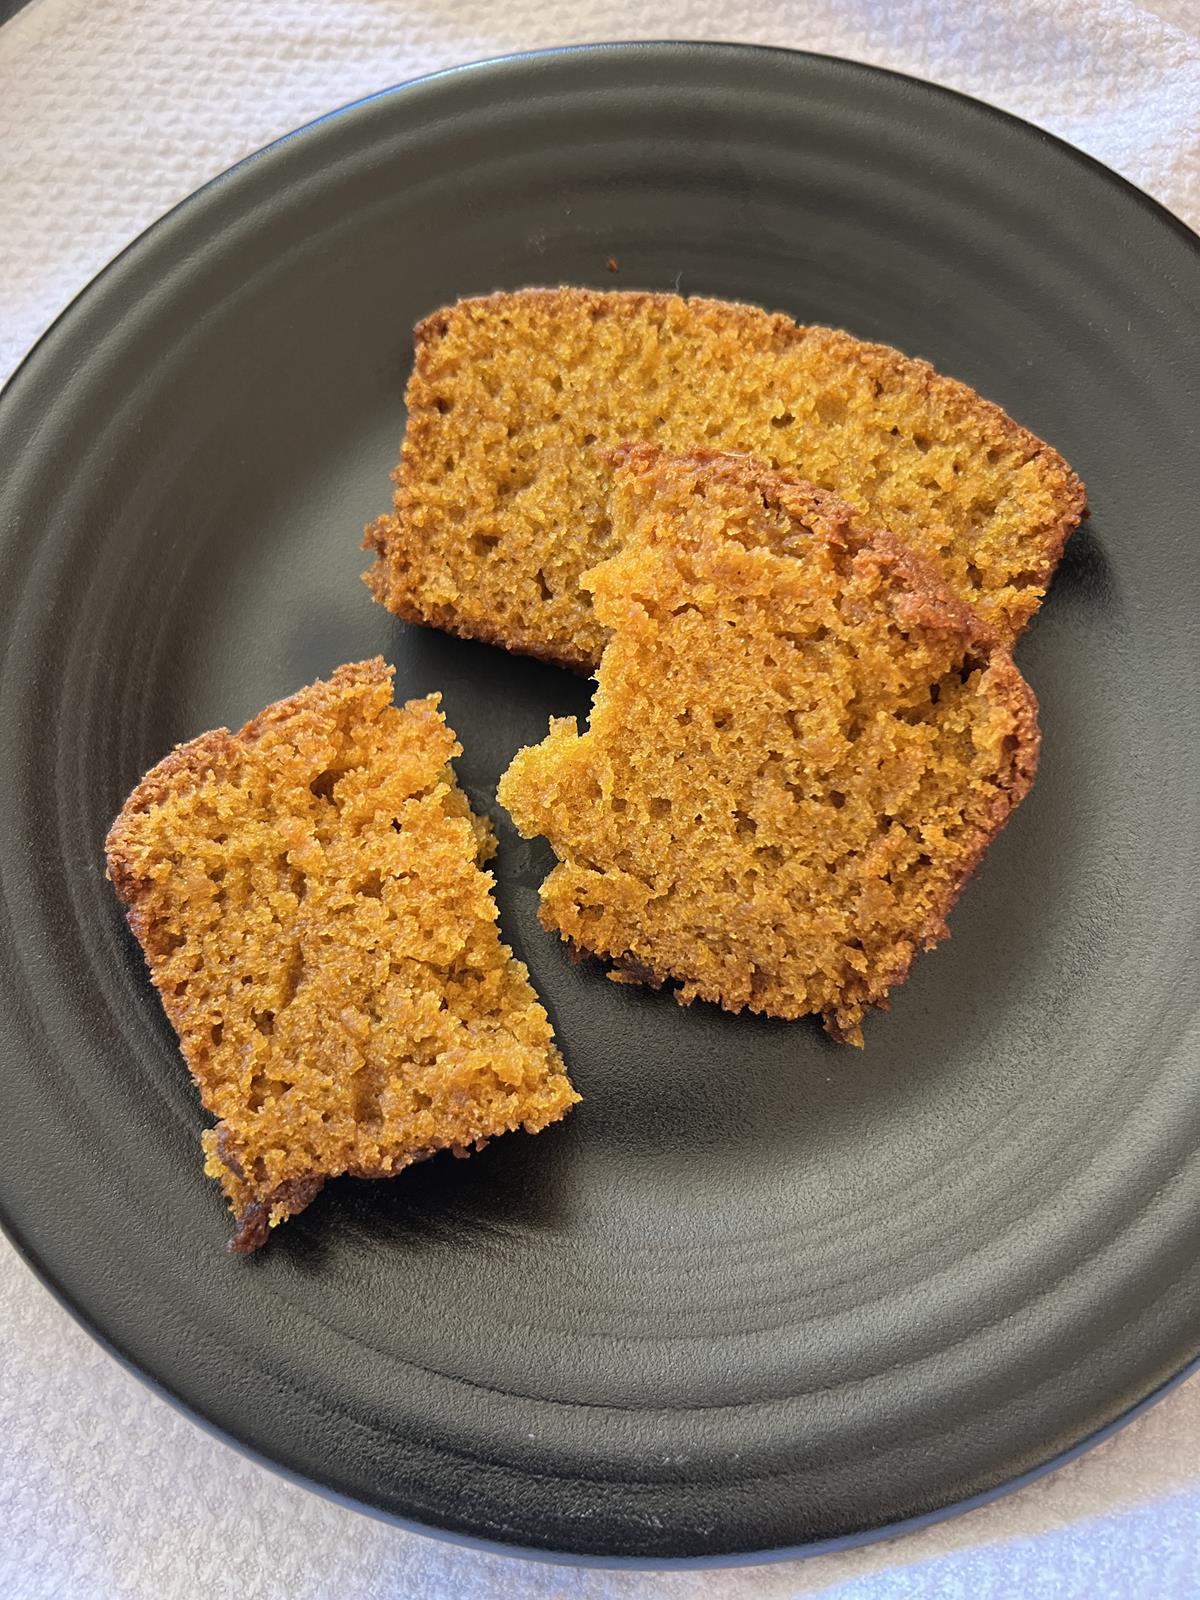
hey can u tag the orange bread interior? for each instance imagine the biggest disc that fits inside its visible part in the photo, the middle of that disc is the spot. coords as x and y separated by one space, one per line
309 897
501 501
801 744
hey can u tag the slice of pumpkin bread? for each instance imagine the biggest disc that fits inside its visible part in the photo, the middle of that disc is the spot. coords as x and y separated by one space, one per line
502 488
801 745
309 898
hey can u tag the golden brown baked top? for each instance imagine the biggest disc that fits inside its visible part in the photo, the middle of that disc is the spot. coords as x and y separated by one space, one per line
502 488
309 897
801 744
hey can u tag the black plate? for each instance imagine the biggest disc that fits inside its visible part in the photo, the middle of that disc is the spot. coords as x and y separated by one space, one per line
758 1291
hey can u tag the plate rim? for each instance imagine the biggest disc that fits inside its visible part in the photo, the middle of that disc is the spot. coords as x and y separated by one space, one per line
485 64
771 1556
25 1247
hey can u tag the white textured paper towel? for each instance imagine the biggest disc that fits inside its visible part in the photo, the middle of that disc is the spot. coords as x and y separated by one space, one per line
110 112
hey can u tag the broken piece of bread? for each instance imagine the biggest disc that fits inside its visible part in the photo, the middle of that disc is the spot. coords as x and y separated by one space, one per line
801 745
309 898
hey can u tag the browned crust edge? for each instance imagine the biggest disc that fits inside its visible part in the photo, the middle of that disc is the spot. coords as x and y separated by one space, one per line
931 603
253 1222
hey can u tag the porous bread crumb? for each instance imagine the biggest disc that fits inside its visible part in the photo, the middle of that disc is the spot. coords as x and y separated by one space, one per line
309 898
502 488
801 745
